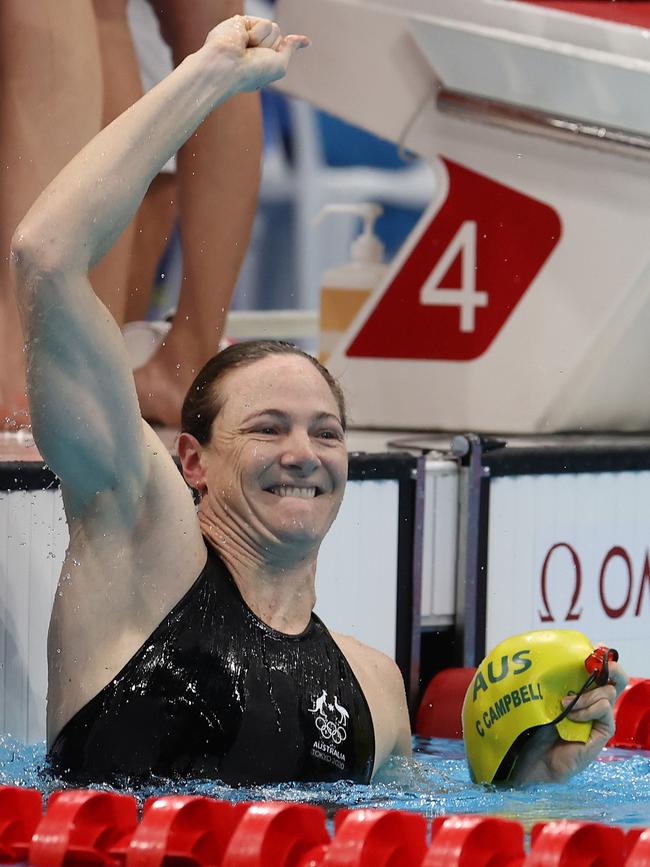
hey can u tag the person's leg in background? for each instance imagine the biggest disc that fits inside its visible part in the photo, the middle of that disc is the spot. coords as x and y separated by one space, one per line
155 224
50 106
122 87
218 178
157 216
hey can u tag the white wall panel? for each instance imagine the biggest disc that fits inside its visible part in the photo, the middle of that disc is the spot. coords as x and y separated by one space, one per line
49 538
593 531
17 608
33 537
439 542
356 582
4 626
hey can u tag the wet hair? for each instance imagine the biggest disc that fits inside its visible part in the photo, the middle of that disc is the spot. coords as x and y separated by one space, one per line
204 400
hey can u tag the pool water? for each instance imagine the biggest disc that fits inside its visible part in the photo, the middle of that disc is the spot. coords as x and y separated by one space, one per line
615 789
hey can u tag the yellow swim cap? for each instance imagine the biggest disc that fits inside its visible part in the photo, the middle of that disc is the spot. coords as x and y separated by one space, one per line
519 686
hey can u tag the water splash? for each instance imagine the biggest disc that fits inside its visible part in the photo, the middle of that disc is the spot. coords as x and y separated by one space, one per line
615 789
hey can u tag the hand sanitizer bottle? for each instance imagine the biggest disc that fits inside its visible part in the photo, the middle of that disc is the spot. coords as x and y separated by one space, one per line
345 288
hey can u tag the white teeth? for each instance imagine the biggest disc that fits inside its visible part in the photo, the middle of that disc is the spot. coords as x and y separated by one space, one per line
302 493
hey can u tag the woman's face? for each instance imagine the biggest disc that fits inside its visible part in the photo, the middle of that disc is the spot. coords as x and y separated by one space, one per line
276 465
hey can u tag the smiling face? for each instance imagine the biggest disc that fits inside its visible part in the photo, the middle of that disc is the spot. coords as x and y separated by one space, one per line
276 464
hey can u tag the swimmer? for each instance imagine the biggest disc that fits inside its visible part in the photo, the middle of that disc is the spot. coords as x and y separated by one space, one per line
182 640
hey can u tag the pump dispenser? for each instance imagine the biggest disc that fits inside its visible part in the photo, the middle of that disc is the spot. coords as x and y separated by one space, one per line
345 288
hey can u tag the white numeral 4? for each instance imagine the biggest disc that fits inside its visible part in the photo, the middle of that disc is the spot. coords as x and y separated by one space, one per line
466 296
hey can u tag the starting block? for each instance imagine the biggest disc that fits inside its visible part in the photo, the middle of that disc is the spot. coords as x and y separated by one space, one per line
521 301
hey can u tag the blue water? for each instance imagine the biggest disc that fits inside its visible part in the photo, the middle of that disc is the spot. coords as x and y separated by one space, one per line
615 789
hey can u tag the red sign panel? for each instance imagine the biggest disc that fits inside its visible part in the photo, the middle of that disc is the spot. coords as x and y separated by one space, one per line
636 13
465 275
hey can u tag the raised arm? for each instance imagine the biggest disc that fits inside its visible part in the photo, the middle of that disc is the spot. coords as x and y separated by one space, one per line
84 409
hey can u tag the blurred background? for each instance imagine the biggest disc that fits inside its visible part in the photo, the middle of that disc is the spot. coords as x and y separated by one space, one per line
310 159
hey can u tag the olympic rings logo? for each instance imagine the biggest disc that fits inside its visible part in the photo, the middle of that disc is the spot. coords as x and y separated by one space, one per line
330 731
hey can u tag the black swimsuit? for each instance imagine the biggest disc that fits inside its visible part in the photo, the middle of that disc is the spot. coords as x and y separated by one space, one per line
215 692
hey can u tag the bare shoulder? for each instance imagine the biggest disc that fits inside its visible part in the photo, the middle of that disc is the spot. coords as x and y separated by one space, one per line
382 684
372 661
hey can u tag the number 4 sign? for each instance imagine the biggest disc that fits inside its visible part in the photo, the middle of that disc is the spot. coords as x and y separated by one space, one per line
466 273
463 246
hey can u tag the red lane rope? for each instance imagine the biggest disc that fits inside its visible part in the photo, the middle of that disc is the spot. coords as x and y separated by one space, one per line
87 827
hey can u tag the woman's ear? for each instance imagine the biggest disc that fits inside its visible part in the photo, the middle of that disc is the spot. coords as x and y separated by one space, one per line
189 452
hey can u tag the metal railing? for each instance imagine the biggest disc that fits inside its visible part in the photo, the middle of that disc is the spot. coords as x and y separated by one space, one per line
520 118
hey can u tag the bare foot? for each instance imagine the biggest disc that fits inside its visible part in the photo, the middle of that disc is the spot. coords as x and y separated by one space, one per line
161 390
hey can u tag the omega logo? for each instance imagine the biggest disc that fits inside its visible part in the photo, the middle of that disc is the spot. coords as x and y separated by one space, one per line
633 594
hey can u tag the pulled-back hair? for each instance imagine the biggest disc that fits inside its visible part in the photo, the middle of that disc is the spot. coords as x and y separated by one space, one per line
203 401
